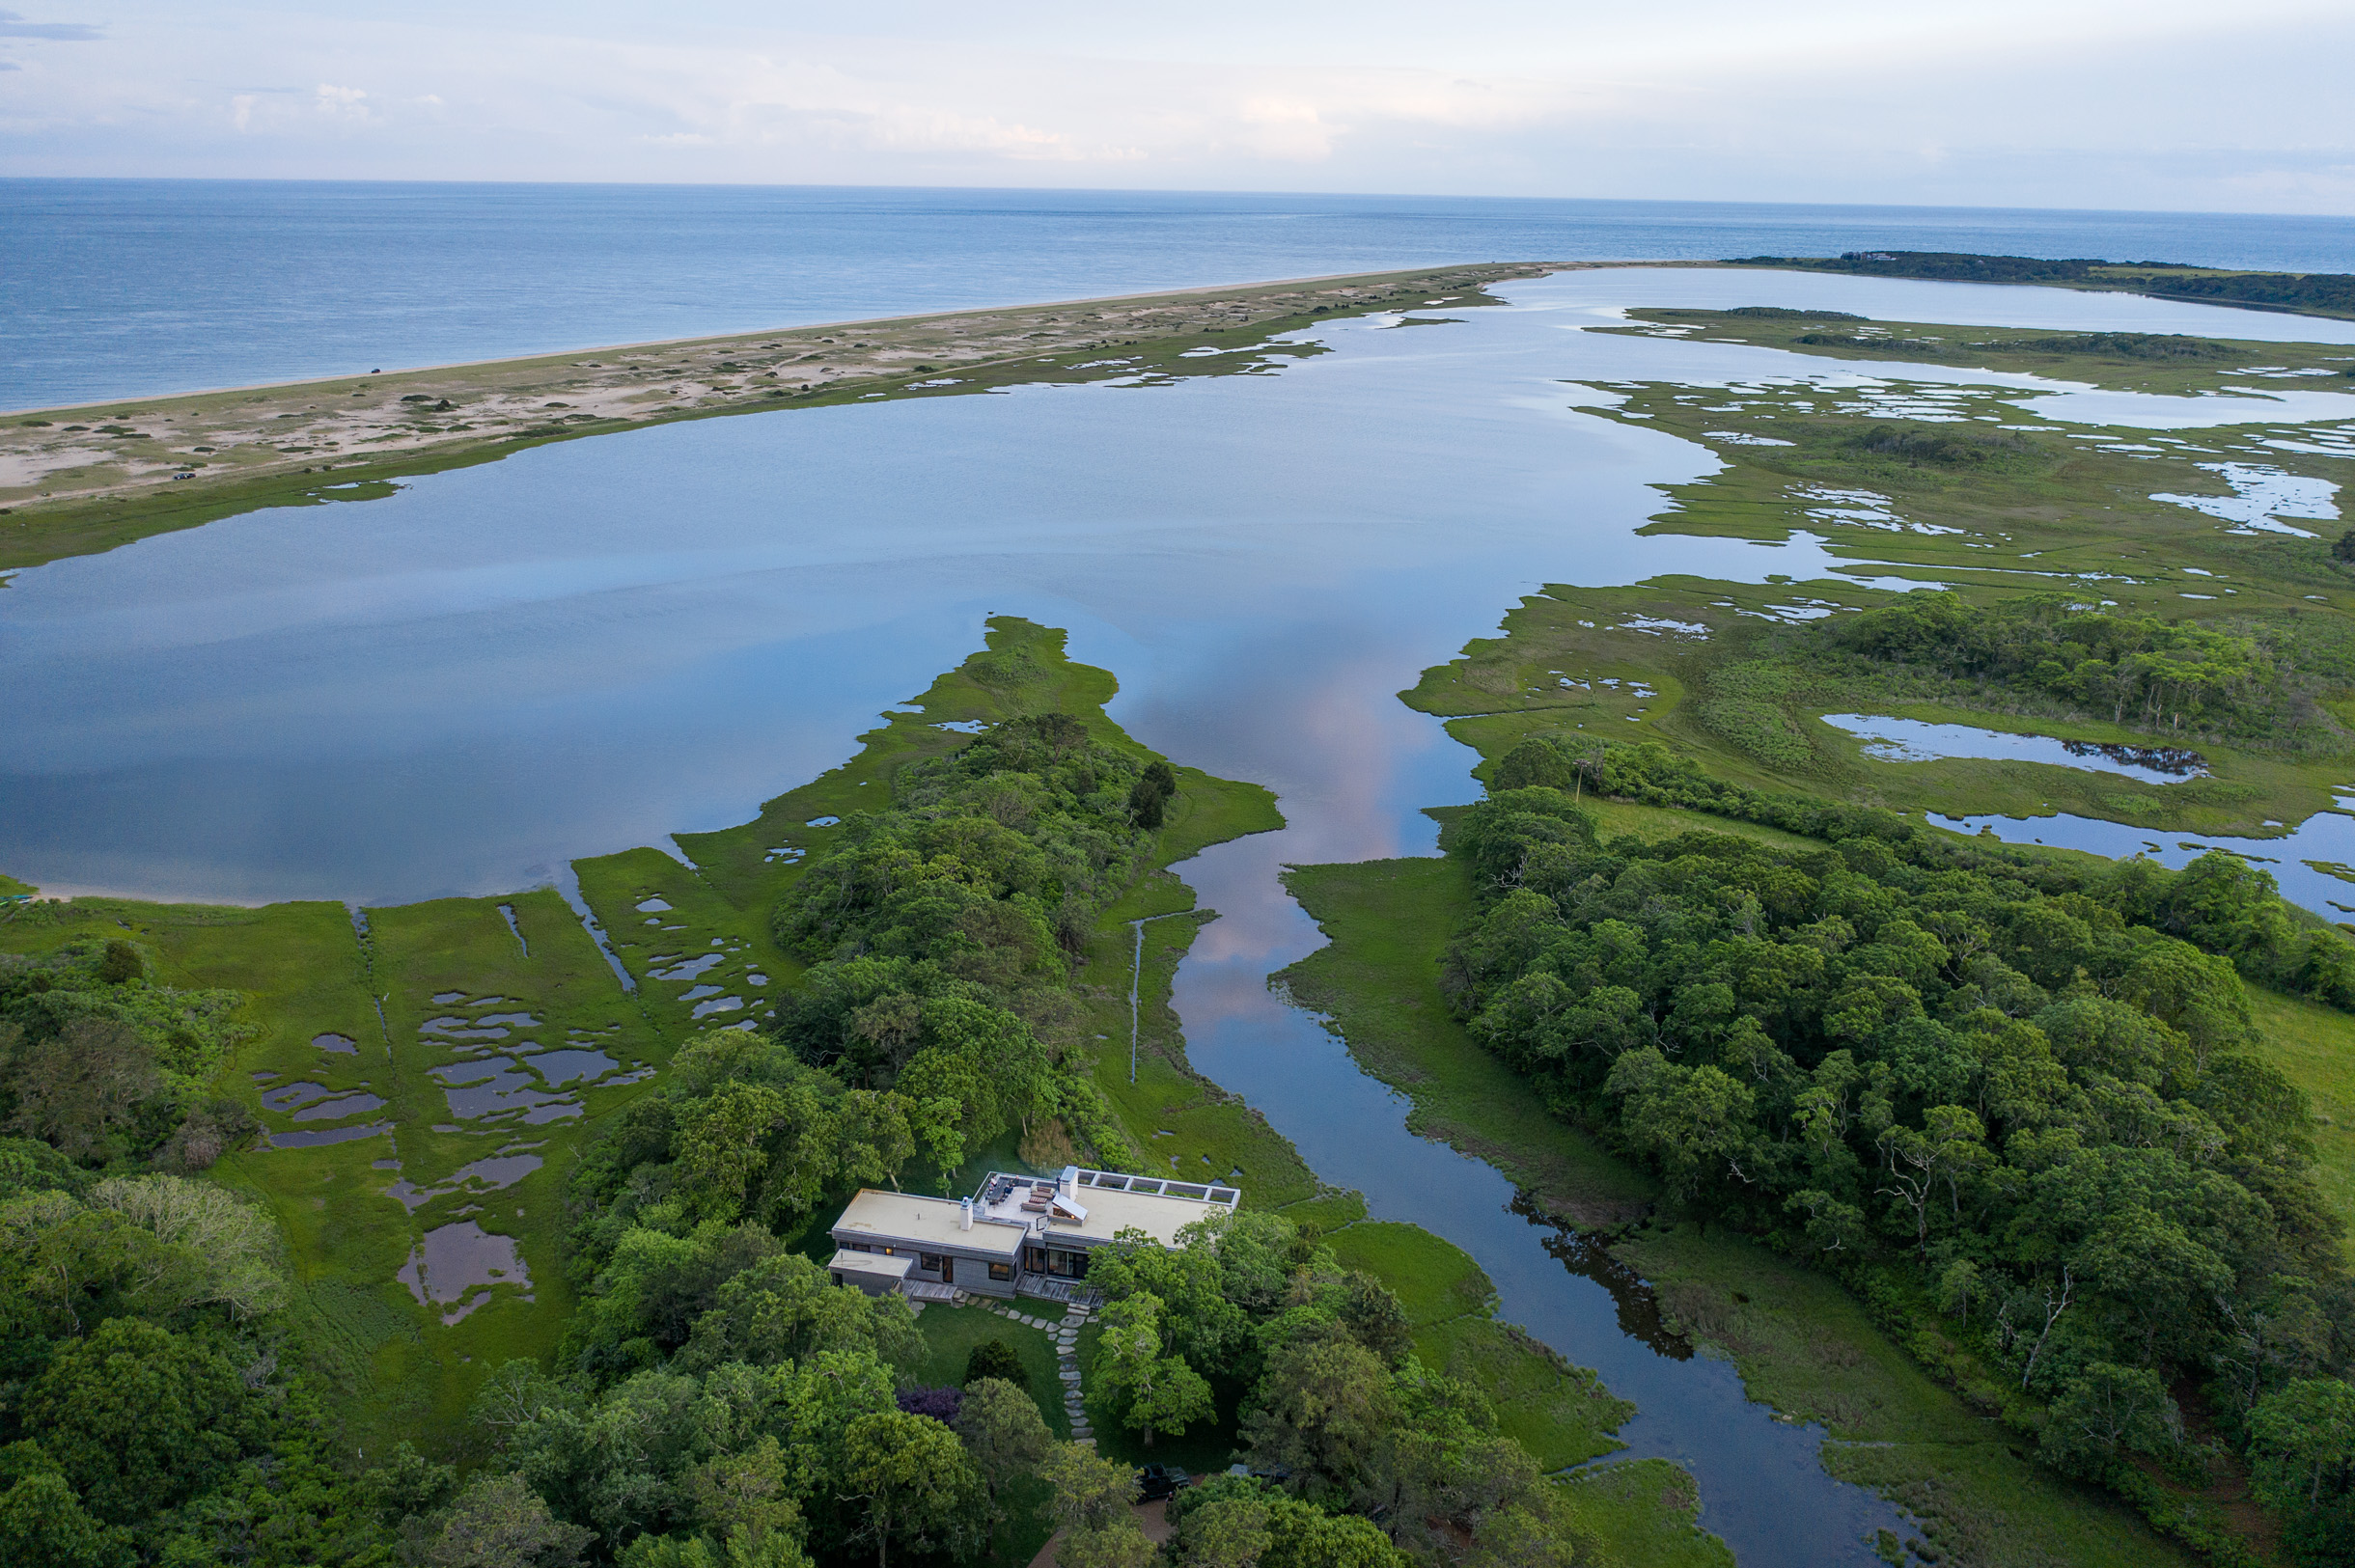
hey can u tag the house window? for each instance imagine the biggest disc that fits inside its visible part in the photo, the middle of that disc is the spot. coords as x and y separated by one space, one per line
856 1247
1000 1271
1066 1265
929 1260
1034 1258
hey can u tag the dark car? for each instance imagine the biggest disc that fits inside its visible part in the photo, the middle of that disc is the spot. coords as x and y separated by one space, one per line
1160 1481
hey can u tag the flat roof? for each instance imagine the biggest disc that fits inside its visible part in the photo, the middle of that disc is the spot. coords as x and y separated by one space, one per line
904 1219
895 1267
1113 1202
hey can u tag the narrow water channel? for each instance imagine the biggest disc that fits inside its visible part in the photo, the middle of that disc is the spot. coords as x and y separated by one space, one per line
1763 1489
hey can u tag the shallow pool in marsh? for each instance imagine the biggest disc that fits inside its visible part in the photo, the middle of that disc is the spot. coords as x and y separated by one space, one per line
592 645
1916 740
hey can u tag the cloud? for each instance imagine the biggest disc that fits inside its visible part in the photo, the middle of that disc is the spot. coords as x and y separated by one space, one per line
13 25
2000 102
283 109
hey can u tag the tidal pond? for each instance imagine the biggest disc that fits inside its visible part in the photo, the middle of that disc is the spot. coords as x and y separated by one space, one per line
2315 862
1916 740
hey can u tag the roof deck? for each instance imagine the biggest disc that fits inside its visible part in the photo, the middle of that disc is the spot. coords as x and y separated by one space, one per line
930 1224
1088 1207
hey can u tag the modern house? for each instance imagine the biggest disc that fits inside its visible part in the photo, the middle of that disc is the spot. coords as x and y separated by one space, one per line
1015 1235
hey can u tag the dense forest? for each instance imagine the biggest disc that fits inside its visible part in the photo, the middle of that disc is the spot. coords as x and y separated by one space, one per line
2012 1099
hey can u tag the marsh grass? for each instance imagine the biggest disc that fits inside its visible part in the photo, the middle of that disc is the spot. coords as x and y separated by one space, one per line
2316 1047
1646 1511
1594 633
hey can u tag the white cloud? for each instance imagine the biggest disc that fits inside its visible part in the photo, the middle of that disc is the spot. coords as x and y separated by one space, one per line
2158 104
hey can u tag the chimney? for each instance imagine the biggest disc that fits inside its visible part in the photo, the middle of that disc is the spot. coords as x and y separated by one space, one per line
964 1214
1069 1186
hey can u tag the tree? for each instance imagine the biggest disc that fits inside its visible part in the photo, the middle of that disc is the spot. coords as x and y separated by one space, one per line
1159 1393
741 1496
1949 1148
2302 1448
1150 794
496 1523
912 1475
136 1417
995 1359
1233 1521
786 1308
721 1146
2106 1411
80 1089
1090 1503
737 1550
233 1242
1693 1121
1089 1491
1535 1531
1115 1546
1002 1433
1323 1412
43 1522
1230 1532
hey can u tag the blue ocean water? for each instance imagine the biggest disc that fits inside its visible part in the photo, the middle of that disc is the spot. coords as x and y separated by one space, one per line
112 288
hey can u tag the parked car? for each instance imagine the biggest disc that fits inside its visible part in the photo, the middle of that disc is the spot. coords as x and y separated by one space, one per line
1161 1481
1272 1474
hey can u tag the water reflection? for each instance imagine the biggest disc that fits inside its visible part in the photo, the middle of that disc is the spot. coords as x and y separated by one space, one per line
1586 1254
1913 740
590 646
2307 860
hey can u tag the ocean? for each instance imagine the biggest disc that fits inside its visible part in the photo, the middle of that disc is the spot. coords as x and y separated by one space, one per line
129 287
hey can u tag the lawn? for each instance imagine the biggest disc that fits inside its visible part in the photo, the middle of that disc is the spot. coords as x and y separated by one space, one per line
949 1334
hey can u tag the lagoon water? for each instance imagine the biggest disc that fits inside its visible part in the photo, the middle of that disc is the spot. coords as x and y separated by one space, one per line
123 288
589 645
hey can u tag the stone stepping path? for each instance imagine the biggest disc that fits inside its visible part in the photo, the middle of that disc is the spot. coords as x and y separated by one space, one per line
1066 1336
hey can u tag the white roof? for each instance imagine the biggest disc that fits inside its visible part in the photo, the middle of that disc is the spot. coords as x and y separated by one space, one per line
890 1268
929 1224
1103 1203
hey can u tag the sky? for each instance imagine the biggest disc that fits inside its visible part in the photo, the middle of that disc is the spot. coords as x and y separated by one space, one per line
2145 105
